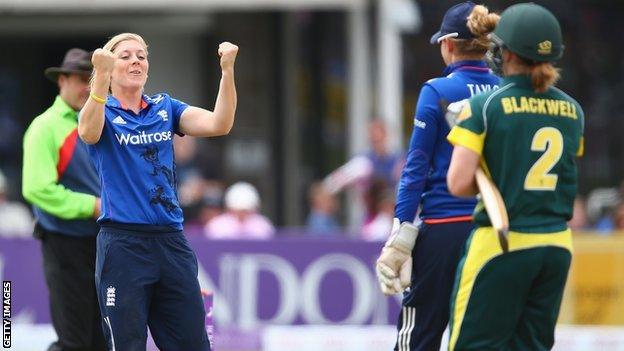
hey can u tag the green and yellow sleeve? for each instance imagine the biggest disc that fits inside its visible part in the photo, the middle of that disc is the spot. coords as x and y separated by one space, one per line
470 129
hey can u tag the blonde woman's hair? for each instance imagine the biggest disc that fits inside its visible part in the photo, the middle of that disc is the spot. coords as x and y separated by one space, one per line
480 23
111 45
543 76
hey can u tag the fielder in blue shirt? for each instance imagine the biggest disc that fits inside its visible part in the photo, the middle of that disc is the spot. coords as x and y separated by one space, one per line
146 273
424 259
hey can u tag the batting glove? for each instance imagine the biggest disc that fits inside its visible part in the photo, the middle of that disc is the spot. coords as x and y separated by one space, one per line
394 265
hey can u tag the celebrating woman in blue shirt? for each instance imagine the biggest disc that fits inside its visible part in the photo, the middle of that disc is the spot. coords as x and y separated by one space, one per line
427 264
146 273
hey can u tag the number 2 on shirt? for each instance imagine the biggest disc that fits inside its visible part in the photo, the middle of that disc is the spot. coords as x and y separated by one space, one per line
550 141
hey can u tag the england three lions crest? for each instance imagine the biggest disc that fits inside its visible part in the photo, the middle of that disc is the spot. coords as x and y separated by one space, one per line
164 115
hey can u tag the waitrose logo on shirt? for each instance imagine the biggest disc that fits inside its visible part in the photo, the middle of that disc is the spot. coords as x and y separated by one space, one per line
143 138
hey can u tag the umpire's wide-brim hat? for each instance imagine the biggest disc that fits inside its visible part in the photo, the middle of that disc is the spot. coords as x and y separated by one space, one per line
75 61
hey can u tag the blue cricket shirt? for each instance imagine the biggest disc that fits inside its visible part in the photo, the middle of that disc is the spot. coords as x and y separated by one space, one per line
135 161
423 179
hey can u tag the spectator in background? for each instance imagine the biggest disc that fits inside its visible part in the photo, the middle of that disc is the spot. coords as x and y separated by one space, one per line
60 181
618 217
189 180
190 193
10 96
211 204
579 220
321 220
185 150
372 198
378 227
601 205
379 163
387 165
15 218
241 219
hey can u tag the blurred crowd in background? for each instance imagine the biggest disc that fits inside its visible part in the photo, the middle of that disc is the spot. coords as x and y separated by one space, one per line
218 211
214 201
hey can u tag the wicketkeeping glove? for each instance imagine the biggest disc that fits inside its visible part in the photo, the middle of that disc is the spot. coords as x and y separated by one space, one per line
394 265
452 111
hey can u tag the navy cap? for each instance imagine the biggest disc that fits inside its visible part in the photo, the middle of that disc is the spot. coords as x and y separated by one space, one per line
454 23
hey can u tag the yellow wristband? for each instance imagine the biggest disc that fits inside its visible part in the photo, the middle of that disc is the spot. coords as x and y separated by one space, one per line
97 99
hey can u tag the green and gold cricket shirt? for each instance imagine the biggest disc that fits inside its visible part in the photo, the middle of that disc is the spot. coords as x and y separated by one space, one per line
529 142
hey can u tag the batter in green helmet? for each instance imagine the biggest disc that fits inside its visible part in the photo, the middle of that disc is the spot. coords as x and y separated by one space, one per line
526 135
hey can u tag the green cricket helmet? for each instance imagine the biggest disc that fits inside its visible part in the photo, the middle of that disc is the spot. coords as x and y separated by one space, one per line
530 31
